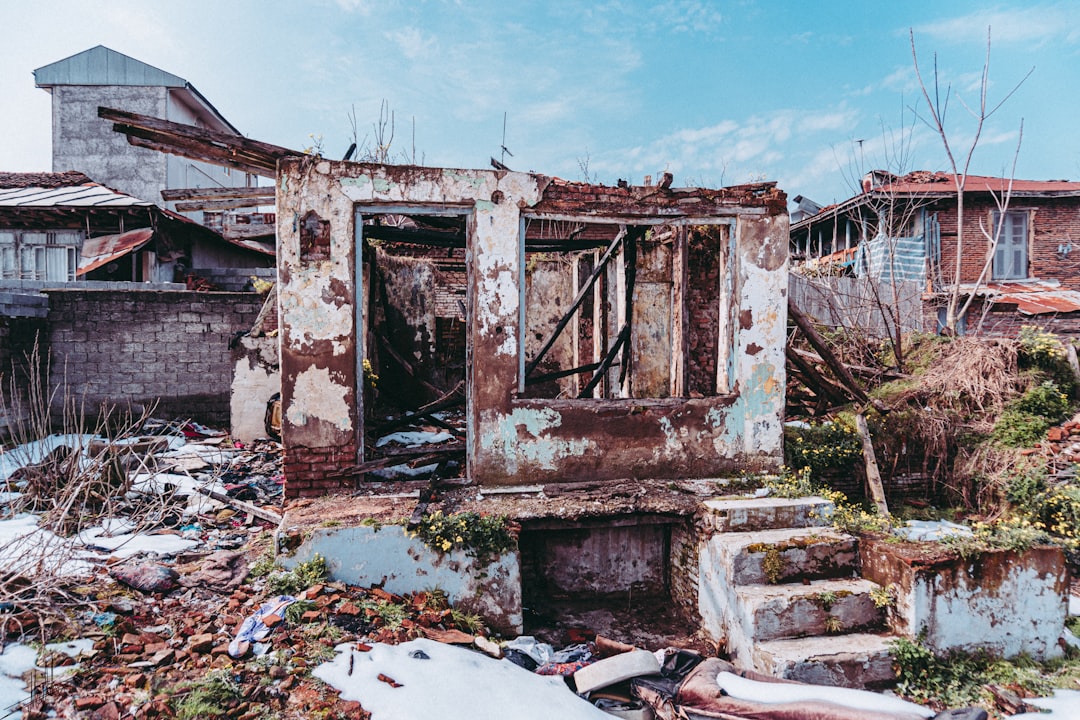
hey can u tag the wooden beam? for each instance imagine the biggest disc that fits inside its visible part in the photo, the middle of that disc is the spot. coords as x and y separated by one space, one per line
247 232
605 364
172 150
195 143
821 386
842 373
217 193
439 238
565 320
216 205
873 477
630 263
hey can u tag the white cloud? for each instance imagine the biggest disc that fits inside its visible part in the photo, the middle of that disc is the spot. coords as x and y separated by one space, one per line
414 43
1033 25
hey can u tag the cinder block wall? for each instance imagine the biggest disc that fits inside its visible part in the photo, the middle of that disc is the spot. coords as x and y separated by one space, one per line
145 346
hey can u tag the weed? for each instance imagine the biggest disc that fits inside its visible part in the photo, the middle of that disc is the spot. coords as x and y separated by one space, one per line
483 537
294 614
213 694
822 448
303 576
390 614
957 679
826 599
466 622
773 565
883 596
265 564
833 625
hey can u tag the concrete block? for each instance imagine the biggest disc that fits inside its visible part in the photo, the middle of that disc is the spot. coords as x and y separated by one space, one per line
800 554
856 661
975 603
745 514
823 607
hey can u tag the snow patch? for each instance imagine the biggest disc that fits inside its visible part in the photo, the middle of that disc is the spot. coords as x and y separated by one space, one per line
450 684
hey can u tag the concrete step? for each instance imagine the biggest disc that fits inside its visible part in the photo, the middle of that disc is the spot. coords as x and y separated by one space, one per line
856 661
823 607
788 555
743 514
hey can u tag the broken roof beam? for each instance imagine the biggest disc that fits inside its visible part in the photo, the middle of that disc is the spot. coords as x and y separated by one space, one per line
194 143
218 193
218 198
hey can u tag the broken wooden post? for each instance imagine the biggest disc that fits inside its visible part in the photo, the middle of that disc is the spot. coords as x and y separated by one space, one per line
873 476
842 373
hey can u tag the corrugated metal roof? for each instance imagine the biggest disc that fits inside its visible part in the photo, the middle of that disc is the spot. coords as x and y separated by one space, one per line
84 194
1036 297
103 250
103 66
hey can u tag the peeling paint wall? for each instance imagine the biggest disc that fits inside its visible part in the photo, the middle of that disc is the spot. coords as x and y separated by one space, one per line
256 378
512 439
976 603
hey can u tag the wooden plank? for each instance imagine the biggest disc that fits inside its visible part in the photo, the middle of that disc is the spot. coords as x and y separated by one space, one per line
179 130
873 476
247 232
217 193
215 205
241 505
172 150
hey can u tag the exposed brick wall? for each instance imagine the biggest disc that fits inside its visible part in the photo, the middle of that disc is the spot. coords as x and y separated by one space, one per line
1053 222
703 308
146 346
687 537
307 470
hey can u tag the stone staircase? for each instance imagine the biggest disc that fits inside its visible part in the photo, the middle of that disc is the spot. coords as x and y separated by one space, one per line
785 592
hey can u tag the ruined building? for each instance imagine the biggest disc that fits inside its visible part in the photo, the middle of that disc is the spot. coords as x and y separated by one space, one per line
609 332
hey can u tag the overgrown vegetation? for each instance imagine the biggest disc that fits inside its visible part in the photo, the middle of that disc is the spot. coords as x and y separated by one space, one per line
481 536
300 578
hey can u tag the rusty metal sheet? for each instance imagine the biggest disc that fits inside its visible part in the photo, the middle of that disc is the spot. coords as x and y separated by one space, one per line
103 250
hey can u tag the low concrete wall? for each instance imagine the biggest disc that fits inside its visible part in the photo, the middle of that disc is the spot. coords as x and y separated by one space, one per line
1004 602
385 555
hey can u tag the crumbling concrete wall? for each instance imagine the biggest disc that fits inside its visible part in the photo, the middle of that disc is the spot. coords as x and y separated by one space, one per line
256 379
512 438
975 603
169 348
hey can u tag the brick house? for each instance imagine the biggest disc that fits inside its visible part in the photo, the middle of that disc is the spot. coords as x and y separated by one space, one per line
905 229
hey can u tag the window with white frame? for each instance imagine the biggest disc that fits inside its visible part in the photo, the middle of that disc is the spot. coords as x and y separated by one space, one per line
1011 253
51 256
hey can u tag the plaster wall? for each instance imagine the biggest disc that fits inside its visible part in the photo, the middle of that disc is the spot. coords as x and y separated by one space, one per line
256 377
387 557
82 141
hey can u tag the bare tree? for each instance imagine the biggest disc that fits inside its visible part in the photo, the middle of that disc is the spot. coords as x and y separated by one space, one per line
959 162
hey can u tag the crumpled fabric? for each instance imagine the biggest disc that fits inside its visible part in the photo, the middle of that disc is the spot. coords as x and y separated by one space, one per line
146 577
569 660
221 572
252 629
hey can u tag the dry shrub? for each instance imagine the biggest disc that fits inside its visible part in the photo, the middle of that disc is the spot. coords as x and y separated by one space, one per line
71 488
981 474
973 374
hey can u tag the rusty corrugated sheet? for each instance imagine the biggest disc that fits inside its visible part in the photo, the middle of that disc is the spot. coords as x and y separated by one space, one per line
1033 298
102 250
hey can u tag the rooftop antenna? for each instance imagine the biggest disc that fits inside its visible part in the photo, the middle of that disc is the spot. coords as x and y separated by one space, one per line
501 163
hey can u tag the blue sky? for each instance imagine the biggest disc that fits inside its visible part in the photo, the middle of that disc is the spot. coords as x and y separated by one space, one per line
716 92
